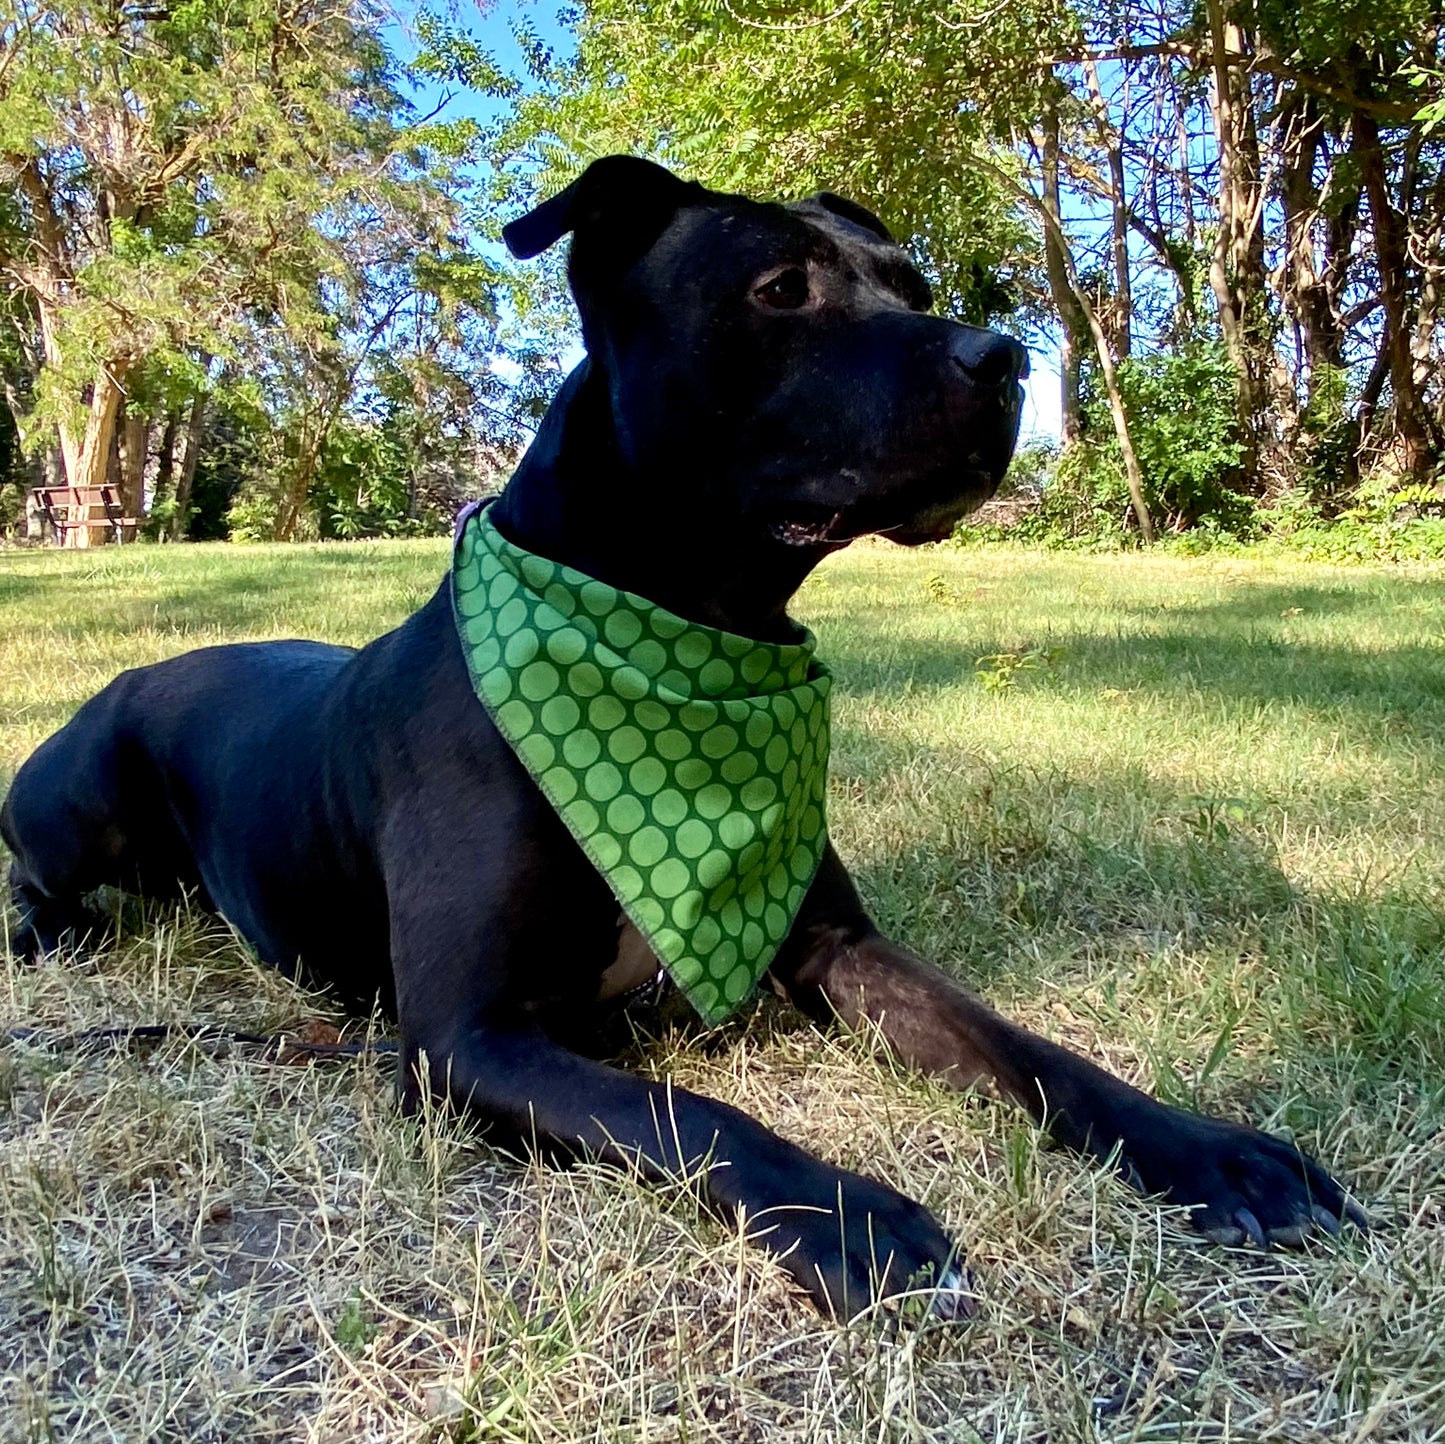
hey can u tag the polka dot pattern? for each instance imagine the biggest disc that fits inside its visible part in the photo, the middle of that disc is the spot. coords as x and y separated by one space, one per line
690 764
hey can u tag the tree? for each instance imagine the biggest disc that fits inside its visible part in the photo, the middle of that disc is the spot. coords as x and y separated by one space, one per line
185 186
880 100
876 100
1161 177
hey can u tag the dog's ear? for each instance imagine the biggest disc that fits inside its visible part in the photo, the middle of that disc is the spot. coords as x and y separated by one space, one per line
852 211
616 209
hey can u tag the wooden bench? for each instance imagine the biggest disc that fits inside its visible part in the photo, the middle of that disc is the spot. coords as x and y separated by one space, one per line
84 516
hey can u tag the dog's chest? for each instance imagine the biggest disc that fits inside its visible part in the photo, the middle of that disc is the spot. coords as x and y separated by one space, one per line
634 965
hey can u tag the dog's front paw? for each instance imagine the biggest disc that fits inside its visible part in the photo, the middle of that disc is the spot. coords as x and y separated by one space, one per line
1241 1184
851 1243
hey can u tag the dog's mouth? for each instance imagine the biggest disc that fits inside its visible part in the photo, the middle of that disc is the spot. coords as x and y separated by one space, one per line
827 530
831 528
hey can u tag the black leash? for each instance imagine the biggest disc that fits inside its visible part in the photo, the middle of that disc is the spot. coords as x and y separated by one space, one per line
275 1047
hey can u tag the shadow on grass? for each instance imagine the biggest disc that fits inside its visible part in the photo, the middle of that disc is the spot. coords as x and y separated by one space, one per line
1246 669
21 587
1011 891
1018 859
230 602
1266 604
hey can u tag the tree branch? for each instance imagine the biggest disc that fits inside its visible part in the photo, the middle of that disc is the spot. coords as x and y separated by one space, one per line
1391 111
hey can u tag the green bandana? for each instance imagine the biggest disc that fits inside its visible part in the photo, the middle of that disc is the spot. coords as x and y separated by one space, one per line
689 763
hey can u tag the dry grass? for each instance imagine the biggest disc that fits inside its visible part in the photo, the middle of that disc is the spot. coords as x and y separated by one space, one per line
1202 837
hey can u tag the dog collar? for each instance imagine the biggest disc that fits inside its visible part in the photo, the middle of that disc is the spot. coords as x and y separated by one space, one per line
689 763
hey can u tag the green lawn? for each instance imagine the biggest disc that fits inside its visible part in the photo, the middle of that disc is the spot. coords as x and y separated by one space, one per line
1191 818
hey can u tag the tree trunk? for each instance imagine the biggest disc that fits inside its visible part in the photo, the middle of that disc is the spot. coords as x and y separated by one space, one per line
134 433
195 424
1369 403
1236 265
310 445
1431 251
1119 413
293 499
1072 326
1184 165
105 402
1412 424
87 465
1123 305
166 458
1133 472
1301 288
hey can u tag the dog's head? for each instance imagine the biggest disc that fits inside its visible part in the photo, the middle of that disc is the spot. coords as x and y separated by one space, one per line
775 363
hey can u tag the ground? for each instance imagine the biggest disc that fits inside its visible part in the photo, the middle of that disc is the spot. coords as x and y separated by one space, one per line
1188 815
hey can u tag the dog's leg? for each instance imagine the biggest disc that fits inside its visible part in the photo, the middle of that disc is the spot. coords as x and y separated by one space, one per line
846 1239
1241 1184
58 824
48 925
482 956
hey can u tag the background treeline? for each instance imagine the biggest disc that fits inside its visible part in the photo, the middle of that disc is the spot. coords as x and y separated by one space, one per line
246 273
1226 214
237 276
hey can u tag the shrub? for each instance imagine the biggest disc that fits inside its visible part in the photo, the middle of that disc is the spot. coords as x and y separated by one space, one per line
1389 521
1182 422
1033 463
1086 498
252 516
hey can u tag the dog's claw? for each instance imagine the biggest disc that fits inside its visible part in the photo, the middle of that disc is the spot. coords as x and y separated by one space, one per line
1241 1185
955 1298
1253 1230
1290 1236
1226 1234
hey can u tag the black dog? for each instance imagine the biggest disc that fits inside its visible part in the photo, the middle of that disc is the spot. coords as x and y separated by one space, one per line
762 385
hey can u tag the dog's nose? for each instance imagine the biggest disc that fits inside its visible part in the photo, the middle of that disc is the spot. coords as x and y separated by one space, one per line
988 358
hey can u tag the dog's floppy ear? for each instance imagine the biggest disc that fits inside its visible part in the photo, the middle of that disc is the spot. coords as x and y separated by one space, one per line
852 211
617 208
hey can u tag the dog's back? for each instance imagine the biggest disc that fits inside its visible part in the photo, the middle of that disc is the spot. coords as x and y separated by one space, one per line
186 774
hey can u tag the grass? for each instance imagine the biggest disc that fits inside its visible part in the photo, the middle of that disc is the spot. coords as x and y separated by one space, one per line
1188 815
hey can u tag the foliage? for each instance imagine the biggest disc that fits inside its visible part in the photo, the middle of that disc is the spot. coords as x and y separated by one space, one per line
1328 441
1034 460
1241 260
12 475
241 448
1084 508
815 97
1344 542
1390 520
355 1329
1000 671
1184 431
1250 296
1085 499
938 590
193 194
1183 422
365 486
251 517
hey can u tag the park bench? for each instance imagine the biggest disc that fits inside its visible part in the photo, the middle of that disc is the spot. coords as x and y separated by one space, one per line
83 516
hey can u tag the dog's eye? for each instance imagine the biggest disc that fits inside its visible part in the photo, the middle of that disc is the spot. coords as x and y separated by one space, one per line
787 291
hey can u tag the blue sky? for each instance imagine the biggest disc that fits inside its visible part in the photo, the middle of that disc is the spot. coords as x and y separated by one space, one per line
491 25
